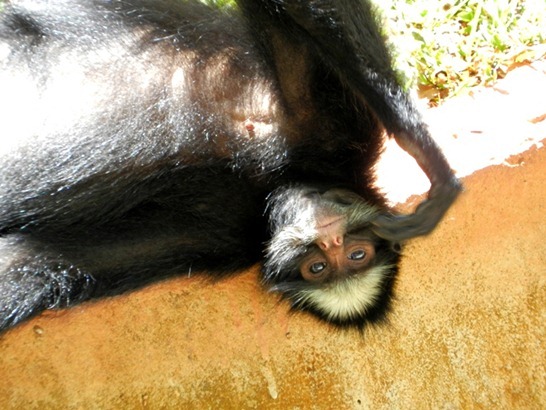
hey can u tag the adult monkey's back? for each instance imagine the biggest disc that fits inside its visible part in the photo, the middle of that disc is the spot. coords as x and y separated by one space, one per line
141 139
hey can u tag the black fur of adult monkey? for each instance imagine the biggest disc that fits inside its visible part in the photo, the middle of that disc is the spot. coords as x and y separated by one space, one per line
147 138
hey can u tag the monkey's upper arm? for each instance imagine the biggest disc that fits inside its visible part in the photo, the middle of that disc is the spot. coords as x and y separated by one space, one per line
347 36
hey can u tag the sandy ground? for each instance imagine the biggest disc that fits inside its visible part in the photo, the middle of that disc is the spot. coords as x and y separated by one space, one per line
468 328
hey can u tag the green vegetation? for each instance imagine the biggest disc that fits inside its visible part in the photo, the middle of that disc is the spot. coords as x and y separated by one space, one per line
444 48
219 3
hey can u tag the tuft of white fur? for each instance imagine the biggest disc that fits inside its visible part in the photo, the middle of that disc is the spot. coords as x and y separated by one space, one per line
349 298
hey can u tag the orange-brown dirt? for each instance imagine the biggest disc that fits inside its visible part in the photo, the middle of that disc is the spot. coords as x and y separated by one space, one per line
468 329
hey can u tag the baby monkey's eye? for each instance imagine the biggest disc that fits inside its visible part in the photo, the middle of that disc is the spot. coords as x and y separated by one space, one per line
357 255
317 267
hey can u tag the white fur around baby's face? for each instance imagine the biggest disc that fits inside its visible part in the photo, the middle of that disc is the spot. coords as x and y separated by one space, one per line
348 298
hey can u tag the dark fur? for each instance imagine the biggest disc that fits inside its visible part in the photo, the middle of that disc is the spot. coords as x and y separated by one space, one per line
171 154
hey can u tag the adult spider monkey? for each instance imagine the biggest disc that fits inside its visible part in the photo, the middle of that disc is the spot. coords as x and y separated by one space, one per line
146 138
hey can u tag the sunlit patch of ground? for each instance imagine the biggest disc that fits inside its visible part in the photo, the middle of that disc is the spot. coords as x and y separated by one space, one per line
480 129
